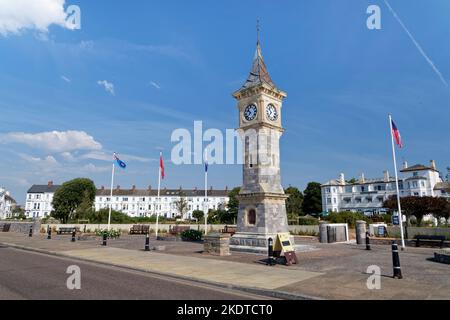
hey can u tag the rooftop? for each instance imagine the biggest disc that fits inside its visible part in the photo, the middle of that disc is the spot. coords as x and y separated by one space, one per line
163 192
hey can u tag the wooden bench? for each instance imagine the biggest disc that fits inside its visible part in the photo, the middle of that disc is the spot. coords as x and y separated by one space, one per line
177 230
62 231
229 230
419 238
140 229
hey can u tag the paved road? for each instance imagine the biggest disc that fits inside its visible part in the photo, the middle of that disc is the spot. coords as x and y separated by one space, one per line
28 275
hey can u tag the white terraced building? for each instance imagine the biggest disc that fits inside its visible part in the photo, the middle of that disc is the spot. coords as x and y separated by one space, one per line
143 203
368 195
39 200
7 204
133 202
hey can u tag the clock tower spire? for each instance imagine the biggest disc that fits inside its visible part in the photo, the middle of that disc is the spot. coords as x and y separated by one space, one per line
262 201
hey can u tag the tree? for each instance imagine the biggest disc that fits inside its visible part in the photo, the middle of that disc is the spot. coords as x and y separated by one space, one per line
85 209
312 200
102 215
19 213
419 207
294 202
233 204
69 197
181 205
199 215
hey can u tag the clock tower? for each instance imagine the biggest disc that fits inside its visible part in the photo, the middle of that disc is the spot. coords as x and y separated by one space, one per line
262 201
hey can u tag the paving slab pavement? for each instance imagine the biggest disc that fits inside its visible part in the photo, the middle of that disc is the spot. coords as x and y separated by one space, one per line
327 272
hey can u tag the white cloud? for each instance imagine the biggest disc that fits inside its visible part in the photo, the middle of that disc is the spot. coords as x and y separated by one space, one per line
67 156
104 156
108 86
55 141
91 168
18 15
64 77
155 85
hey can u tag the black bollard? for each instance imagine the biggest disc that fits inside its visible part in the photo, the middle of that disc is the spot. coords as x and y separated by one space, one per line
368 241
396 261
74 233
270 261
49 233
31 232
104 239
147 242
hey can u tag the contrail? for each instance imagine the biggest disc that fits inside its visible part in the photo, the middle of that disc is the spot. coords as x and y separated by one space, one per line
417 44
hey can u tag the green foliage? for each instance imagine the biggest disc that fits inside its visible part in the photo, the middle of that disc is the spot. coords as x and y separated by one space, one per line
199 215
110 234
312 201
347 217
85 208
117 217
191 235
182 206
294 203
233 204
70 196
418 207
308 221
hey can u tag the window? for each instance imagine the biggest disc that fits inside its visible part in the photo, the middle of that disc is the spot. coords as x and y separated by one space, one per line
328 200
415 174
422 184
251 217
334 200
363 189
414 184
349 189
125 199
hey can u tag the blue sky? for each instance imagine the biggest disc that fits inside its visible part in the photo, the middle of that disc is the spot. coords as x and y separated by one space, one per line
173 62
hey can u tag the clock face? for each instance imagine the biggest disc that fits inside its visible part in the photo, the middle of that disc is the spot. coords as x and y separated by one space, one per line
272 112
250 112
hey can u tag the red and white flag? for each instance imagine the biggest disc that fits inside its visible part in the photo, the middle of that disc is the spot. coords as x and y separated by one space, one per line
161 165
397 136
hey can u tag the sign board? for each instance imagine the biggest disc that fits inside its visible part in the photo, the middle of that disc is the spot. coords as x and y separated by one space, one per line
395 220
284 244
381 231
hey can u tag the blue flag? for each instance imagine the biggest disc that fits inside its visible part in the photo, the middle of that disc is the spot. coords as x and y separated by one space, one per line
206 166
120 162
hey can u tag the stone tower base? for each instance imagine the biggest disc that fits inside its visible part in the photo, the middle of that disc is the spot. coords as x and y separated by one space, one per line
253 242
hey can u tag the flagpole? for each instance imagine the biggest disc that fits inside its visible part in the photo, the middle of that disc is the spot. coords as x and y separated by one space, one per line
158 203
111 199
206 195
400 216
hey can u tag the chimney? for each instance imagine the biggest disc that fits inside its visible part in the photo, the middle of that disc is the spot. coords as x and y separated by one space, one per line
50 184
118 187
342 178
226 188
386 176
211 188
405 164
433 164
103 188
134 187
195 189
150 188
362 179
